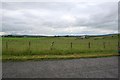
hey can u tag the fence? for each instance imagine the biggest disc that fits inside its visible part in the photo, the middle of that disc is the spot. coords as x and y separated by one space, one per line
71 45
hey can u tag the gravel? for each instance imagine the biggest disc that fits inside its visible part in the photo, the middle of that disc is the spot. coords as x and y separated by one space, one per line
74 68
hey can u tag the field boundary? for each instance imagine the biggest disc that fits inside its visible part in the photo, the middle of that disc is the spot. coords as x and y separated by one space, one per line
54 57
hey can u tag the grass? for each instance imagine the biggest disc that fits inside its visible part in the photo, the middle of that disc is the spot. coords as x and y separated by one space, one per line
41 48
52 57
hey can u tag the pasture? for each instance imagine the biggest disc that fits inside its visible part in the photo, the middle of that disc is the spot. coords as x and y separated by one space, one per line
58 47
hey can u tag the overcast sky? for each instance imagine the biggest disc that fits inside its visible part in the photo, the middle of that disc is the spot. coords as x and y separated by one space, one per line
59 18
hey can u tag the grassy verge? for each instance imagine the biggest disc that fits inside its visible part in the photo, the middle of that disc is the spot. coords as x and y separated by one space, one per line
52 57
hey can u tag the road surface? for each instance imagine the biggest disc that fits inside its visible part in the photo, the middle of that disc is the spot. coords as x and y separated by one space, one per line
75 68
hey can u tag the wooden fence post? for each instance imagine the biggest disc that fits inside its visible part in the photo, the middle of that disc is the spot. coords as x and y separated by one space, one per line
109 43
29 46
71 45
6 45
89 45
103 44
118 47
118 44
52 44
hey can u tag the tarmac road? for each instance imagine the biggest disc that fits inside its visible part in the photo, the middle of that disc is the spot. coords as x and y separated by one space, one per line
75 68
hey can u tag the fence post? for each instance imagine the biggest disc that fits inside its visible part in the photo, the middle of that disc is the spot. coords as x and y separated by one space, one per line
71 45
103 44
6 45
89 45
29 46
109 43
118 47
118 44
52 44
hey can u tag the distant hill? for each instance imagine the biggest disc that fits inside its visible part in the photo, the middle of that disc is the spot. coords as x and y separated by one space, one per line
57 35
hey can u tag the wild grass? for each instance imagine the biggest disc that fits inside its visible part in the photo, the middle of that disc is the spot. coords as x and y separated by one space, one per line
21 47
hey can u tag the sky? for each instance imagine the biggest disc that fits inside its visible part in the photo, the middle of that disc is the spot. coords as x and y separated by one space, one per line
59 18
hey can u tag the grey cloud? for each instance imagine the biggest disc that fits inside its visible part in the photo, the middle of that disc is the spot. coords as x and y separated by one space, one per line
102 16
59 18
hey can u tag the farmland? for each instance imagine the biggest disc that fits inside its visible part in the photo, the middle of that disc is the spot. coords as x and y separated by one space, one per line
58 47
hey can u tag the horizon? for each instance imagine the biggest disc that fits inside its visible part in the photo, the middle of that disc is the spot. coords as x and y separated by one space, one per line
59 35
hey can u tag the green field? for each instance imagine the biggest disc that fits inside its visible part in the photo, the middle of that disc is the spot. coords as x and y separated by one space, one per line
63 47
